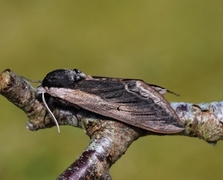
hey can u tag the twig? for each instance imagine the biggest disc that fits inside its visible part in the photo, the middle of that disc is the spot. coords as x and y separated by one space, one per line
109 138
201 120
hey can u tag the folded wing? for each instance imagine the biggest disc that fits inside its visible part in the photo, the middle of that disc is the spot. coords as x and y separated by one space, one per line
131 101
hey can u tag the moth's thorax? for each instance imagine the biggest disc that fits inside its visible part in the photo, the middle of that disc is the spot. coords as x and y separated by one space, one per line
63 78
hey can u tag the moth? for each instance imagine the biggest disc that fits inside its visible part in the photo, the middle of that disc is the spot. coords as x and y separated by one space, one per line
130 101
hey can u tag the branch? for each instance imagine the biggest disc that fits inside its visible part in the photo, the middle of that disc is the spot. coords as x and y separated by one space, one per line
109 138
201 120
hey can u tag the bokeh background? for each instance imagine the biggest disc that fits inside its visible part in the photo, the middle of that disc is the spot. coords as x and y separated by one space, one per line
175 44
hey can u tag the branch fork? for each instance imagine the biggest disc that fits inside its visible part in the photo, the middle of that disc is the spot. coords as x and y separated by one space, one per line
109 139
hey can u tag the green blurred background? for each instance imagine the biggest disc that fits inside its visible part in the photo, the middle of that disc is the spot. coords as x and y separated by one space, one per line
175 44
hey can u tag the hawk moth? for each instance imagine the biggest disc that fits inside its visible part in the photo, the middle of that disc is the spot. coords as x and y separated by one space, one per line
130 101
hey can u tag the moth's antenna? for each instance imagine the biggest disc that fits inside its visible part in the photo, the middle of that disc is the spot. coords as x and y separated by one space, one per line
48 109
30 80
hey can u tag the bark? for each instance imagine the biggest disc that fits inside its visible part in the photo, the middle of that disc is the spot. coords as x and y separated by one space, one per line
109 138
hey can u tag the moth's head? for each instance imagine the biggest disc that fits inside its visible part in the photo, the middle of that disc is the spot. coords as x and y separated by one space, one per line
63 78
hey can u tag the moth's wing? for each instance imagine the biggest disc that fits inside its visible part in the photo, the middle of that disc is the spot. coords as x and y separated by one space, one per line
162 90
130 101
